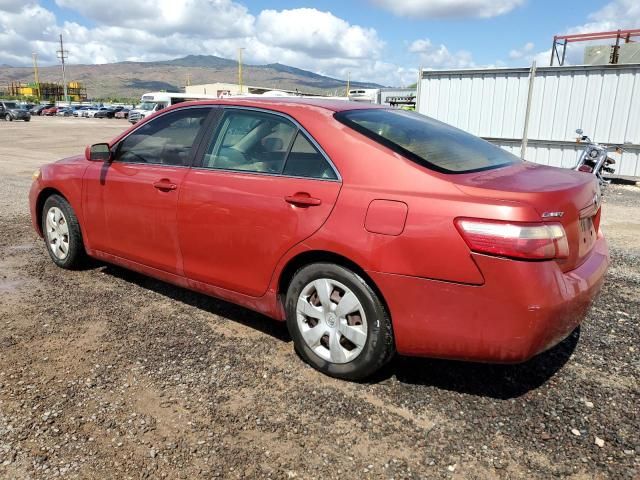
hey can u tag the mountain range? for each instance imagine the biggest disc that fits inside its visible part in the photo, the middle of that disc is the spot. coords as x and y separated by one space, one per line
131 79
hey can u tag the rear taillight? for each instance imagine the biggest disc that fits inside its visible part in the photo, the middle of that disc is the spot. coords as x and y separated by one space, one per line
533 241
585 168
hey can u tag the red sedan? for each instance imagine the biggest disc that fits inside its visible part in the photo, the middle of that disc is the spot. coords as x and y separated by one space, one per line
368 230
49 112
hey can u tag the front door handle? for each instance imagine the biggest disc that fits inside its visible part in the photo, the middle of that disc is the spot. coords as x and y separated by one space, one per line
165 185
302 200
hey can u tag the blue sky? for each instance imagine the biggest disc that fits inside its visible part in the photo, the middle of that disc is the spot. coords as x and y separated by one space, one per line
376 40
488 40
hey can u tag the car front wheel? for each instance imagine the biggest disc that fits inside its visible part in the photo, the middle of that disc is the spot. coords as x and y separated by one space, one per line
8 118
338 323
62 233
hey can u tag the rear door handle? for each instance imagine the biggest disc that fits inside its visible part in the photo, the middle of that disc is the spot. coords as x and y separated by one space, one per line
165 184
302 200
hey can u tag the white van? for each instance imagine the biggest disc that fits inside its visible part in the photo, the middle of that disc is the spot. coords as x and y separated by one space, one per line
364 95
154 101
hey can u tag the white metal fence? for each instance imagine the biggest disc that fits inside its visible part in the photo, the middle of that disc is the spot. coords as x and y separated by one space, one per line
603 100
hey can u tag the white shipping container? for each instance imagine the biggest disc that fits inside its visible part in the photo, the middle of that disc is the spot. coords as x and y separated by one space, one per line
603 100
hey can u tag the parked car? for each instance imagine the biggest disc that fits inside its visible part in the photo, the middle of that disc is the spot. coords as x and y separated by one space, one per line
91 111
37 110
65 112
49 112
124 113
105 113
11 111
78 112
369 230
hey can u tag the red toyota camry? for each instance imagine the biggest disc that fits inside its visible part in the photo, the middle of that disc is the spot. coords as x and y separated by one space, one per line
368 230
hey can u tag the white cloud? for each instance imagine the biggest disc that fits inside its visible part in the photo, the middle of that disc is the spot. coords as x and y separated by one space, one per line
158 30
617 14
206 18
316 33
449 8
11 6
525 51
438 56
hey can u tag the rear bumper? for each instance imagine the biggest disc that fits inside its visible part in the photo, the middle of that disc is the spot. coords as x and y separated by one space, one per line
522 309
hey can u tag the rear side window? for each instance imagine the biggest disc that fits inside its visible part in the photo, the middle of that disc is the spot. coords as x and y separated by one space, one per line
305 160
429 142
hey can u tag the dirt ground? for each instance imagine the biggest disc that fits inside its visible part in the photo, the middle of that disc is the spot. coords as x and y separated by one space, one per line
107 374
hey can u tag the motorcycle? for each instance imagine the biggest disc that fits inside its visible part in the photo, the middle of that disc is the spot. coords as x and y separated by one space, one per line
595 158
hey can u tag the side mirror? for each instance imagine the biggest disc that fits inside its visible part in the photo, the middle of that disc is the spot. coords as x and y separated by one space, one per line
100 152
579 131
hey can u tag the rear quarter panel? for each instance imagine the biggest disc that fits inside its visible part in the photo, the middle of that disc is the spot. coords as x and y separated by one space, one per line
429 245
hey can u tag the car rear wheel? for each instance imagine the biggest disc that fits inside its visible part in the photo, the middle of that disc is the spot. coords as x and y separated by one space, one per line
62 233
338 324
8 118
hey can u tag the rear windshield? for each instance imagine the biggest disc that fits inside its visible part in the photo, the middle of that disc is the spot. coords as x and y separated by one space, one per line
427 141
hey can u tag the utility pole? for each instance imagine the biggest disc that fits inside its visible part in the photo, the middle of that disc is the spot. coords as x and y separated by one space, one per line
348 83
240 67
34 55
525 131
63 55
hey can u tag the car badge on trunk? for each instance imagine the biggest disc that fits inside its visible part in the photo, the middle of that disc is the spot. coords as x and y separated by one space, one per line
552 214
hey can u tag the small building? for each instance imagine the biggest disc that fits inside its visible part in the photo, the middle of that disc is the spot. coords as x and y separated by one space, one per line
76 91
220 89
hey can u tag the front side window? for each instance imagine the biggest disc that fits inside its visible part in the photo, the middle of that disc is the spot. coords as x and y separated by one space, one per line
166 140
429 142
260 142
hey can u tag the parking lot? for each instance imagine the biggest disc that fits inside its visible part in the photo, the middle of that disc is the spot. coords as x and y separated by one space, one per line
108 374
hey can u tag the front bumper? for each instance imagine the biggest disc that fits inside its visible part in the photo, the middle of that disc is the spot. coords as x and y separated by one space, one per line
522 309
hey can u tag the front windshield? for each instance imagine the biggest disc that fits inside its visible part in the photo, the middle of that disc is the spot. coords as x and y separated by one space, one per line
147 106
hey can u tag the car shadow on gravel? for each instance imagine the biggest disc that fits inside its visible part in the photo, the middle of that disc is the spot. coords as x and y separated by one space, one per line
203 302
487 380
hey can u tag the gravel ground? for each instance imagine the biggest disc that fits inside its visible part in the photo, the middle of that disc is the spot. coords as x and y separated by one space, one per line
107 374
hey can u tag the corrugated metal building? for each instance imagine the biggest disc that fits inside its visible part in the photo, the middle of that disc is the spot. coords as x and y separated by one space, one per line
603 100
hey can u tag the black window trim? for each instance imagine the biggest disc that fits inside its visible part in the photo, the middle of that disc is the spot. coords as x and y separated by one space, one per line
196 141
342 118
198 163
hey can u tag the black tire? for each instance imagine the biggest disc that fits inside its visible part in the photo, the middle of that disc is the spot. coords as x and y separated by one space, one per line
379 347
28 119
76 255
8 117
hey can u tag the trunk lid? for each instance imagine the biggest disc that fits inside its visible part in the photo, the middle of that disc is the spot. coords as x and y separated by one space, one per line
547 190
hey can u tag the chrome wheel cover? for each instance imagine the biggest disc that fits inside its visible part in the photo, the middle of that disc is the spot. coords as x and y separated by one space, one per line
332 320
57 232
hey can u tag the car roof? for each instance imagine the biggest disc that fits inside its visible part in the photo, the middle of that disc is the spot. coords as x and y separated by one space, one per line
288 102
